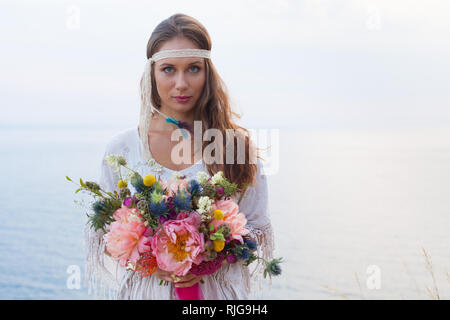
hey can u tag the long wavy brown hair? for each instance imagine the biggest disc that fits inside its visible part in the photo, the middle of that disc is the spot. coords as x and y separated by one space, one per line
213 107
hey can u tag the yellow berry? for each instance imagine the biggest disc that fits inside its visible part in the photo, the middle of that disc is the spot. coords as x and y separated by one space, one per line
122 184
149 180
219 245
218 214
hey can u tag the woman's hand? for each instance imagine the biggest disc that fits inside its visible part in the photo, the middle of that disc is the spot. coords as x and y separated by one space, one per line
187 281
180 282
163 275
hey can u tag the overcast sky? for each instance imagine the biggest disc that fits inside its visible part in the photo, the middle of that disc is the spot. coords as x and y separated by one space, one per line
308 64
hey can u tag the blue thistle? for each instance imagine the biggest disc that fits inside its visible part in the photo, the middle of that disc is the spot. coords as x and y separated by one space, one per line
157 205
243 253
182 201
194 188
99 207
158 208
103 211
251 244
273 268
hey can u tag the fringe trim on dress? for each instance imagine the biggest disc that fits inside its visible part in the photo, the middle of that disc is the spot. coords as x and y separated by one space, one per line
265 239
101 283
105 285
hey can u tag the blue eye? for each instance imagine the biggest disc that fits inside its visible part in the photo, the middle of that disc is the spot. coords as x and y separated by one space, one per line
198 69
193 69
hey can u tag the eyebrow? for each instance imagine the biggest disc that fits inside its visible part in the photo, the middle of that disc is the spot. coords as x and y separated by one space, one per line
169 64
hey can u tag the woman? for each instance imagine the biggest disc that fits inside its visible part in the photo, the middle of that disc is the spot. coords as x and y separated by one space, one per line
180 85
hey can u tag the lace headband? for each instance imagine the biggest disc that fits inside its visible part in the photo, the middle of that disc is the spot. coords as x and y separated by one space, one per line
180 53
147 108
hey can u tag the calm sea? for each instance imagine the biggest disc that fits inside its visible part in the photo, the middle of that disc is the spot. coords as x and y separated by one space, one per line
352 213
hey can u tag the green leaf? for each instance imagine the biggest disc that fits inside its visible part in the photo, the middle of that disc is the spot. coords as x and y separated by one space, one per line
68 178
217 236
78 190
82 183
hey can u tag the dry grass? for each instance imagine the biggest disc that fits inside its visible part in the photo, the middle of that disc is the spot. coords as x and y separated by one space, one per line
434 294
335 292
359 285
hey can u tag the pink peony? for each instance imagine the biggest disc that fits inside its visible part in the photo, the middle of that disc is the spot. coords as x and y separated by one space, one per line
235 220
174 185
127 236
178 245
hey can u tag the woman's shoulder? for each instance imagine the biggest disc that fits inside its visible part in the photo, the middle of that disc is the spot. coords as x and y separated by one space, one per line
121 141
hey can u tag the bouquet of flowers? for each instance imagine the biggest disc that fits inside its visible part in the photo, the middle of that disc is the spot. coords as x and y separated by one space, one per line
179 226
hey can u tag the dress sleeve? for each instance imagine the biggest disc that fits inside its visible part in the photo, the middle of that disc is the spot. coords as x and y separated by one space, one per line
237 281
102 272
255 205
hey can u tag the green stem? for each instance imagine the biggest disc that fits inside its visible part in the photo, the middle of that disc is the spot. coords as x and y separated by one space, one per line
262 259
105 194
130 169
95 192
240 197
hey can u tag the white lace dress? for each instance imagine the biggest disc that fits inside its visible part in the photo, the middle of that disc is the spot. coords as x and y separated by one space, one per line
107 279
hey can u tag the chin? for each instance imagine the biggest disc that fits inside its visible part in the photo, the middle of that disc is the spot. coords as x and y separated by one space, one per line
178 107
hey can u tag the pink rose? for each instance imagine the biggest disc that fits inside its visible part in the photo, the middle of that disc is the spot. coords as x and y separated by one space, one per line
127 238
178 245
235 220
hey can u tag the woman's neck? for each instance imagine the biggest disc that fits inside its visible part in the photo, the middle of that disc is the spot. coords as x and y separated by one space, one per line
180 116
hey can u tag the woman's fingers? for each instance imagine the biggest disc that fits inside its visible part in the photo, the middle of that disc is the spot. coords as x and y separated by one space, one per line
179 281
163 275
186 278
188 283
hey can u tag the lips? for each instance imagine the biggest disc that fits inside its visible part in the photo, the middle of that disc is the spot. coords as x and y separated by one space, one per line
182 99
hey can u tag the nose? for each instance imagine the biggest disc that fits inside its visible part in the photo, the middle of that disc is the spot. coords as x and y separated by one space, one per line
180 82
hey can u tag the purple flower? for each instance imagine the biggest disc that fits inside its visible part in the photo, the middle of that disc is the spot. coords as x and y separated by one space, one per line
163 219
231 258
220 191
127 202
170 203
172 214
207 267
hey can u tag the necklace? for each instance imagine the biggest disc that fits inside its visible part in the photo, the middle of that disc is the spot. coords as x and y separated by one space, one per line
178 123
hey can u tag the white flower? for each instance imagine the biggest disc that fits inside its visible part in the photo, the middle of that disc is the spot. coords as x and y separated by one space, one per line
114 161
204 205
202 177
218 178
111 159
